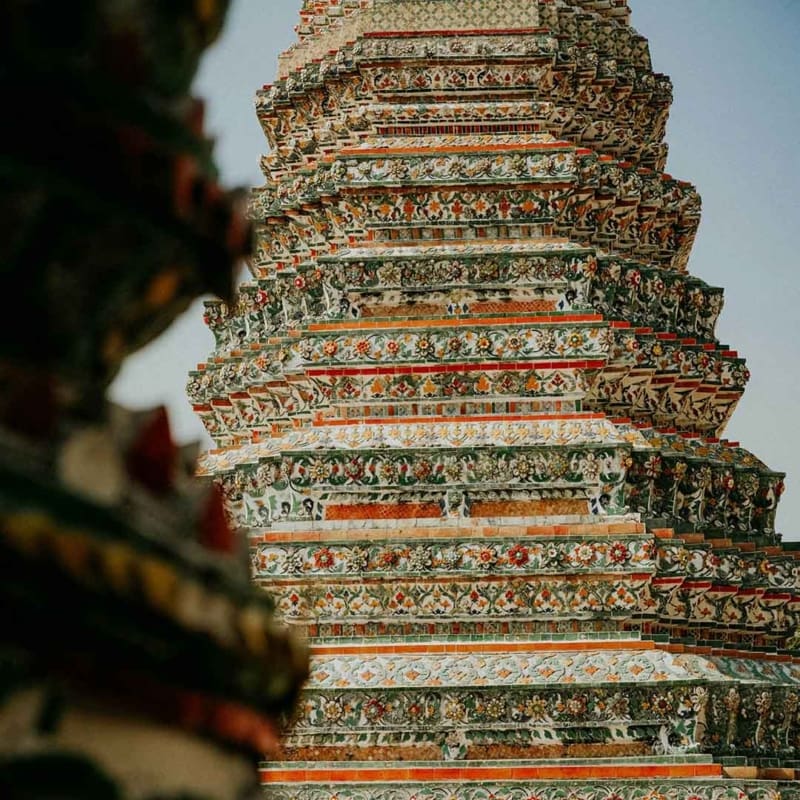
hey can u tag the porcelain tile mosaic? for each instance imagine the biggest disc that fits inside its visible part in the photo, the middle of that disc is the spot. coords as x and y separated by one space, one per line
501 669
521 790
469 407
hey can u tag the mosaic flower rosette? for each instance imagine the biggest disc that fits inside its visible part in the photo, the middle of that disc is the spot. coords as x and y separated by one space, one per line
469 407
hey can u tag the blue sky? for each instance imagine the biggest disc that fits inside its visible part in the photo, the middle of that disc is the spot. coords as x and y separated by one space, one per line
733 132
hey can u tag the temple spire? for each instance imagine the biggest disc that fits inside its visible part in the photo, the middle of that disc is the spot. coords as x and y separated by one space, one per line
471 410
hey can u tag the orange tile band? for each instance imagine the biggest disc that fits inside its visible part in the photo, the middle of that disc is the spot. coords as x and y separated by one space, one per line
589 578
493 148
457 322
500 508
470 418
467 366
448 32
436 532
591 772
528 508
480 647
422 245
383 511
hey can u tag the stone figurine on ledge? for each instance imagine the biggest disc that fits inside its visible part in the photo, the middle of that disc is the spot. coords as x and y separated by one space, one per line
136 661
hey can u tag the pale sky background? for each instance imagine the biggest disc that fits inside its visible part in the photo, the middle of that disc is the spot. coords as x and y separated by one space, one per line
733 132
